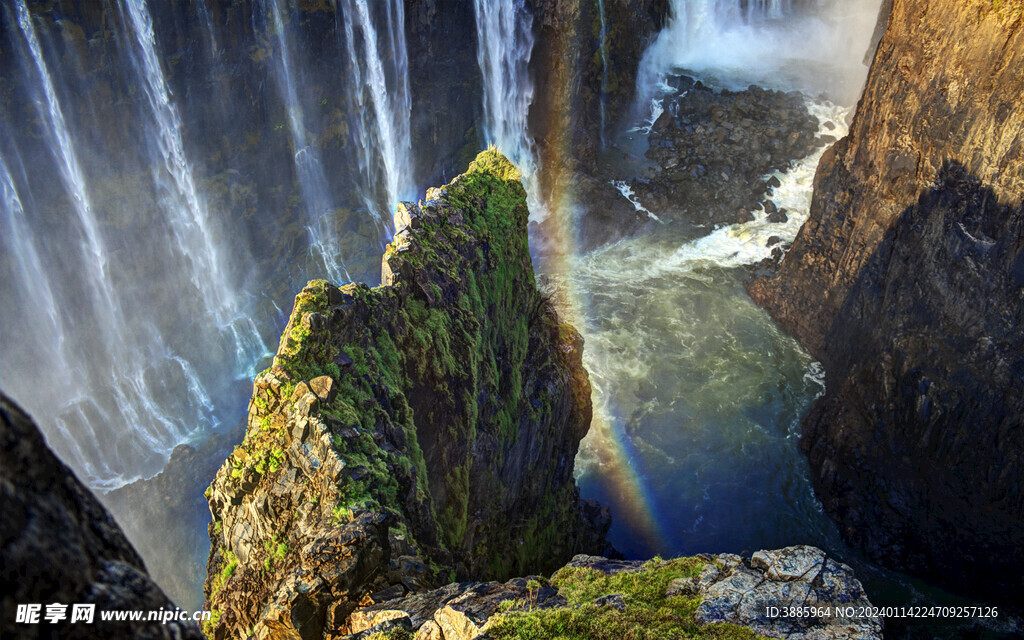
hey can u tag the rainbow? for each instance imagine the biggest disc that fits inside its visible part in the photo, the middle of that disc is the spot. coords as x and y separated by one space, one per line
606 450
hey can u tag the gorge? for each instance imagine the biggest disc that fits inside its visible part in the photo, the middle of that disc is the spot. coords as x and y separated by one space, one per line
173 173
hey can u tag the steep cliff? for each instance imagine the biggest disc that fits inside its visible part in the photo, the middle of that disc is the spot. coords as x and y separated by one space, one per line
59 545
424 428
908 283
584 66
578 76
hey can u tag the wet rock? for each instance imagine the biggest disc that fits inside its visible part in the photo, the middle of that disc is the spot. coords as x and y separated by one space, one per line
779 217
712 149
773 240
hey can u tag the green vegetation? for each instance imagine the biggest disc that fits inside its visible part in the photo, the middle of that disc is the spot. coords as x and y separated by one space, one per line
458 340
211 624
648 614
277 551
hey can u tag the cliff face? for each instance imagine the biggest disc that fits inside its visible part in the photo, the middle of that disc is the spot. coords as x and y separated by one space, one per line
908 282
60 545
421 429
573 77
445 83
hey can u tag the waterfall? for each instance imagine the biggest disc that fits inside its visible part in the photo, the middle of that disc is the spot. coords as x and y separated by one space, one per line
505 43
308 166
384 139
183 205
59 140
188 212
28 268
809 48
95 341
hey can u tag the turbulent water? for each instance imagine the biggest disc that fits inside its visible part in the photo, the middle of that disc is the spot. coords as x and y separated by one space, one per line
766 42
698 388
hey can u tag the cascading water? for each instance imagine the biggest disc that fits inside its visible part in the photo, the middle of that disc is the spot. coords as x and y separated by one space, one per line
767 42
505 38
384 139
182 203
317 197
136 199
103 396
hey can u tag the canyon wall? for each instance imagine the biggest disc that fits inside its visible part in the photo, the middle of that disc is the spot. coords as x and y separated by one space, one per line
907 282
411 434
574 77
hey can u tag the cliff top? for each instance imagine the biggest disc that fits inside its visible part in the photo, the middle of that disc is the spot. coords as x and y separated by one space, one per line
408 434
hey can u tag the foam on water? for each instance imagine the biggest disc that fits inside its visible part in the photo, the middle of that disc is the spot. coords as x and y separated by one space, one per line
627 193
694 384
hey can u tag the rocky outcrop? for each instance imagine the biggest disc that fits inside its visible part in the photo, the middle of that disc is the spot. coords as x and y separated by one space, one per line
796 593
713 148
59 545
907 282
409 434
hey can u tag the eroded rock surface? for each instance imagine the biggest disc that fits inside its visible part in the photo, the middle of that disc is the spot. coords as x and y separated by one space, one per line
796 593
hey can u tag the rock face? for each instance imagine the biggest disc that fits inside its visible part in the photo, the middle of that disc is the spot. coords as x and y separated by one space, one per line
60 545
424 428
573 84
908 283
717 595
443 70
572 78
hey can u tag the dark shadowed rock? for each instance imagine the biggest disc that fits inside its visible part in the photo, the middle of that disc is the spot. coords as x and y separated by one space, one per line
61 546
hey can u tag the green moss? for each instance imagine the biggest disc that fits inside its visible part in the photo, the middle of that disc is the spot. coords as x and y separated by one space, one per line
647 614
457 340
211 624
394 634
